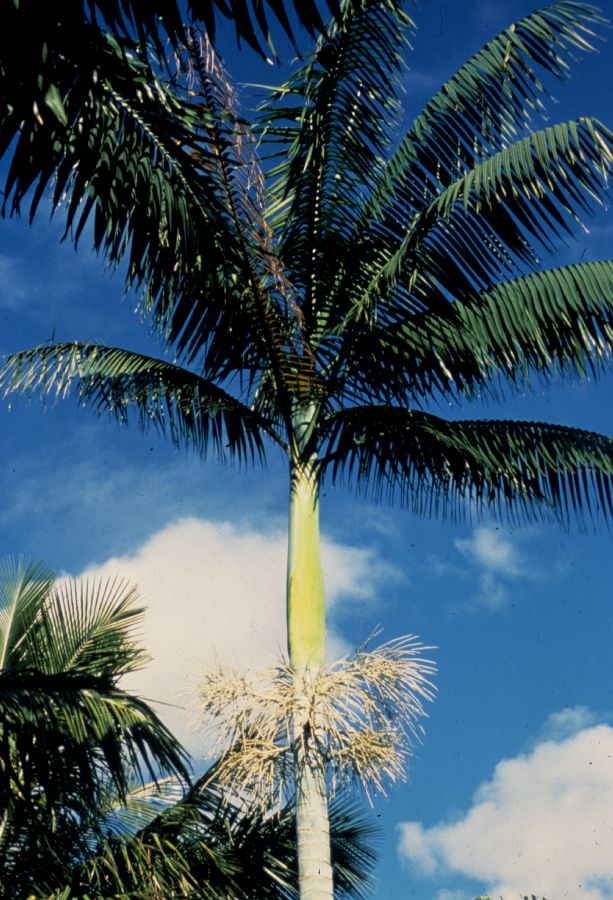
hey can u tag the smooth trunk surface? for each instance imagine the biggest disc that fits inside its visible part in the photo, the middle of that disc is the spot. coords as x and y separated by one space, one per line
306 622
312 825
306 644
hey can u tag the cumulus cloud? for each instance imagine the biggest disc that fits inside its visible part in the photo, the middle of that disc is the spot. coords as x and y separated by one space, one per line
567 722
492 550
446 894
542 824
498 561
214 594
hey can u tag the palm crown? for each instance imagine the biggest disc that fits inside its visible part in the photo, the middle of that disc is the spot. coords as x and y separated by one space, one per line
324 302
355 278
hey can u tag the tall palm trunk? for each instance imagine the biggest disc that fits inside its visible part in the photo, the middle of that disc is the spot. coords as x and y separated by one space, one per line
306 643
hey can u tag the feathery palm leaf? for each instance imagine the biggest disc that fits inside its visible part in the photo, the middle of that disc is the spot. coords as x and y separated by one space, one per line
439 467
66 728
143 162
484 222
182 405
545 324
485 106
331 124
477 113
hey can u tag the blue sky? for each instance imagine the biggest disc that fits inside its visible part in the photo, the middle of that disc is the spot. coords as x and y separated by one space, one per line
512 788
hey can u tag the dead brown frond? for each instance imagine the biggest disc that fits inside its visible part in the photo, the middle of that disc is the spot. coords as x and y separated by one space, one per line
359 714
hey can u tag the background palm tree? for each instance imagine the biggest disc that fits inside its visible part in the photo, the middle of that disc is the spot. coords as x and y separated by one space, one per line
164 841
326 303
68 732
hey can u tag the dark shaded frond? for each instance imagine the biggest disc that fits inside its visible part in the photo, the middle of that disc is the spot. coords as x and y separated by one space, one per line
151 866
216 846
185 407
526 470
251 17
105 727
261 317
67 730
353 835
160 21
144 163
331 121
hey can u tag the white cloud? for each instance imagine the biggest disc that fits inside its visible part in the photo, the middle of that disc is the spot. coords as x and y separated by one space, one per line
543 824
498 561
215 593
567 722
492 594
355 572
446 894
493 551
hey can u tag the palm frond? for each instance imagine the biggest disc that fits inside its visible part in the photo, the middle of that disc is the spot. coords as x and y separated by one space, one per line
141 804
263 315
87 627
353 838
521 470
251 22
251 19
179 841
67 729
545 325
21 587
485 106
549 323
188 409
331 122
75 642
139 159
529 193
480 111
156 22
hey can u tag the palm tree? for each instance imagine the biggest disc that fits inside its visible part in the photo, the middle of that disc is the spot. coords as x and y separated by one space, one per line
77 816
323 304
68 732
163 841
